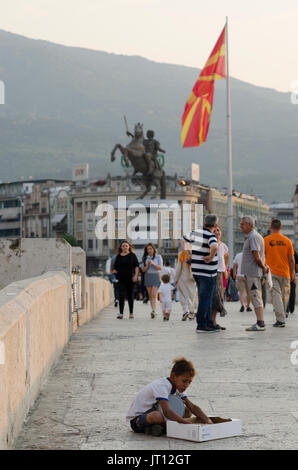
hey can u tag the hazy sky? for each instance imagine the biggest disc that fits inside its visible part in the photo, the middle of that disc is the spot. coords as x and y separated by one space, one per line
263 33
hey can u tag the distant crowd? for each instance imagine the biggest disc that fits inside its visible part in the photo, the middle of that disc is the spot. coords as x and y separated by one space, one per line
202 281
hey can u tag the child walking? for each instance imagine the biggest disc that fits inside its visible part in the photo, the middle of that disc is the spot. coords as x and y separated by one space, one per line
165 296
143 413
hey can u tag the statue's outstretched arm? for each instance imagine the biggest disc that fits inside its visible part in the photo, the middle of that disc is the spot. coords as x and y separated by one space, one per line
129 134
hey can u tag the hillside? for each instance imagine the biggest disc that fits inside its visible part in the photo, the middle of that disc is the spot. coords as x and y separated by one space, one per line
65 105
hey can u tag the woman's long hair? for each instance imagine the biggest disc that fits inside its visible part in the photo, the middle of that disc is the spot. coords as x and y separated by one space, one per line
131 248
145 254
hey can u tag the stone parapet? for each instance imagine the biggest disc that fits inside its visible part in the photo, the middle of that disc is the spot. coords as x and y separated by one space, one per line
35 325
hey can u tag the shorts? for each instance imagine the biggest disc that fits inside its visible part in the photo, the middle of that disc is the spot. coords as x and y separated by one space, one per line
254 288
166 306
241 284
139 423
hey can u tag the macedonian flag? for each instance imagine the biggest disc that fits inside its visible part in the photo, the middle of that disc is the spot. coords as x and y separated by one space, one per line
197 112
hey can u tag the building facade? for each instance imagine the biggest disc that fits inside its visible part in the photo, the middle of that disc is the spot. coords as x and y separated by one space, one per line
194 200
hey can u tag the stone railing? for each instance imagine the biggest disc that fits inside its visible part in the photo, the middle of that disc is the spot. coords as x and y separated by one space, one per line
35 324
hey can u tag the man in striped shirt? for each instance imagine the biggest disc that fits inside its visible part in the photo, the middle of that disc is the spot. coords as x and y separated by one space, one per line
204 269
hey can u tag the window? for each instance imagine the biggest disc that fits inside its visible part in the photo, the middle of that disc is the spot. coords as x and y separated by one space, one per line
168 243
90 244
79 226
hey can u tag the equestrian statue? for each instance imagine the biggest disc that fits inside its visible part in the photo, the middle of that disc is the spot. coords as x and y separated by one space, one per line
142 154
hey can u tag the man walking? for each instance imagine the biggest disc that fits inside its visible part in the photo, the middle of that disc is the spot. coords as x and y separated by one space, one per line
204 265
241 283
253 267
279 254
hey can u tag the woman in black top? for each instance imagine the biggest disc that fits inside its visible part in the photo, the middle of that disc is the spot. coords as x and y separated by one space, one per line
126 268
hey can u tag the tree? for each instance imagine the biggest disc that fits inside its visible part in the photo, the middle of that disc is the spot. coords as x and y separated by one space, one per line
70 239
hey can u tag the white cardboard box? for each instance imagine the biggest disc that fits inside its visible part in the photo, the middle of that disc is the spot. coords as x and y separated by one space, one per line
204 432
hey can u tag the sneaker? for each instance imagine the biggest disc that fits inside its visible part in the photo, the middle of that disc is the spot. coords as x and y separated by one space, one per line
256 327
153 314
279 324
242 308
154 430
184 316
201 330
218 327
211 329
116 303
120 315
248 309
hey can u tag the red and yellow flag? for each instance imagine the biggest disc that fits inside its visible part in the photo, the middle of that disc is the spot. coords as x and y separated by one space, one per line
198 108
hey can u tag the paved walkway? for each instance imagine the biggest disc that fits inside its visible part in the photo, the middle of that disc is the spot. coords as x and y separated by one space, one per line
239 374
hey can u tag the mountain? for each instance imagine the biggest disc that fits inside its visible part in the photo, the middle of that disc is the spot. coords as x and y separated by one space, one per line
65 105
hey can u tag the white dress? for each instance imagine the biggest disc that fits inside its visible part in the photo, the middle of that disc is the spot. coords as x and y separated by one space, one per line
187 287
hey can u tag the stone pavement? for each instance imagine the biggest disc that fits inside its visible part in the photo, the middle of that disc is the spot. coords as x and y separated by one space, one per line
239 374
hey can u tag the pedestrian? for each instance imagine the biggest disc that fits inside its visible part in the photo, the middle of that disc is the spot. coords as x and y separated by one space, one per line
167 269
114 281
204 264
292 299
126 268
241 284
222 272
186 285
254 268
165 296
151 265
279 255
143 413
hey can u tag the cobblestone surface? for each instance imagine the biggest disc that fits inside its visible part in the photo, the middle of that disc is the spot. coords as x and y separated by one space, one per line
239 374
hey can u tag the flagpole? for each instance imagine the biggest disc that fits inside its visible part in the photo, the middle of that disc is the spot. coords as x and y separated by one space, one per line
229 154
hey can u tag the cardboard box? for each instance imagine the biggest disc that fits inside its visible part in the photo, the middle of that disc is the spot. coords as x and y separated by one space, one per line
204 432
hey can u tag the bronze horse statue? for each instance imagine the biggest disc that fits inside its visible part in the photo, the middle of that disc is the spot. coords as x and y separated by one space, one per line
135 154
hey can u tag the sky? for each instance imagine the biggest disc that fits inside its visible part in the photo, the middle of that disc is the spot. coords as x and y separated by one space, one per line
263 34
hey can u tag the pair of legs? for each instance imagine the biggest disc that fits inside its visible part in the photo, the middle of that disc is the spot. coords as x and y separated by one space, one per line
254 288
218 298
280 292
206 286
243 293
187 295
125 291
166 310
141 422
152 294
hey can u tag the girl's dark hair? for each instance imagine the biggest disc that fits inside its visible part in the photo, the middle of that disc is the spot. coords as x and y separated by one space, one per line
131 248
183 366
145 254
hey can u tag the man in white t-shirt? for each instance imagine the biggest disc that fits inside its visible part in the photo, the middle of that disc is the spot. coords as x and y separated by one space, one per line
241 284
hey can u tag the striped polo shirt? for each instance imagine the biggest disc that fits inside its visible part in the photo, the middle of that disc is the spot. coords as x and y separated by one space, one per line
201 240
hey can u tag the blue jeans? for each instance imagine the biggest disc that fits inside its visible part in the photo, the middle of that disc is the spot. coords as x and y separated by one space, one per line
206 286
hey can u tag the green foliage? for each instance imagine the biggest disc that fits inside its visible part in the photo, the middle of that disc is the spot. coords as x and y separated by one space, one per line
70 239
